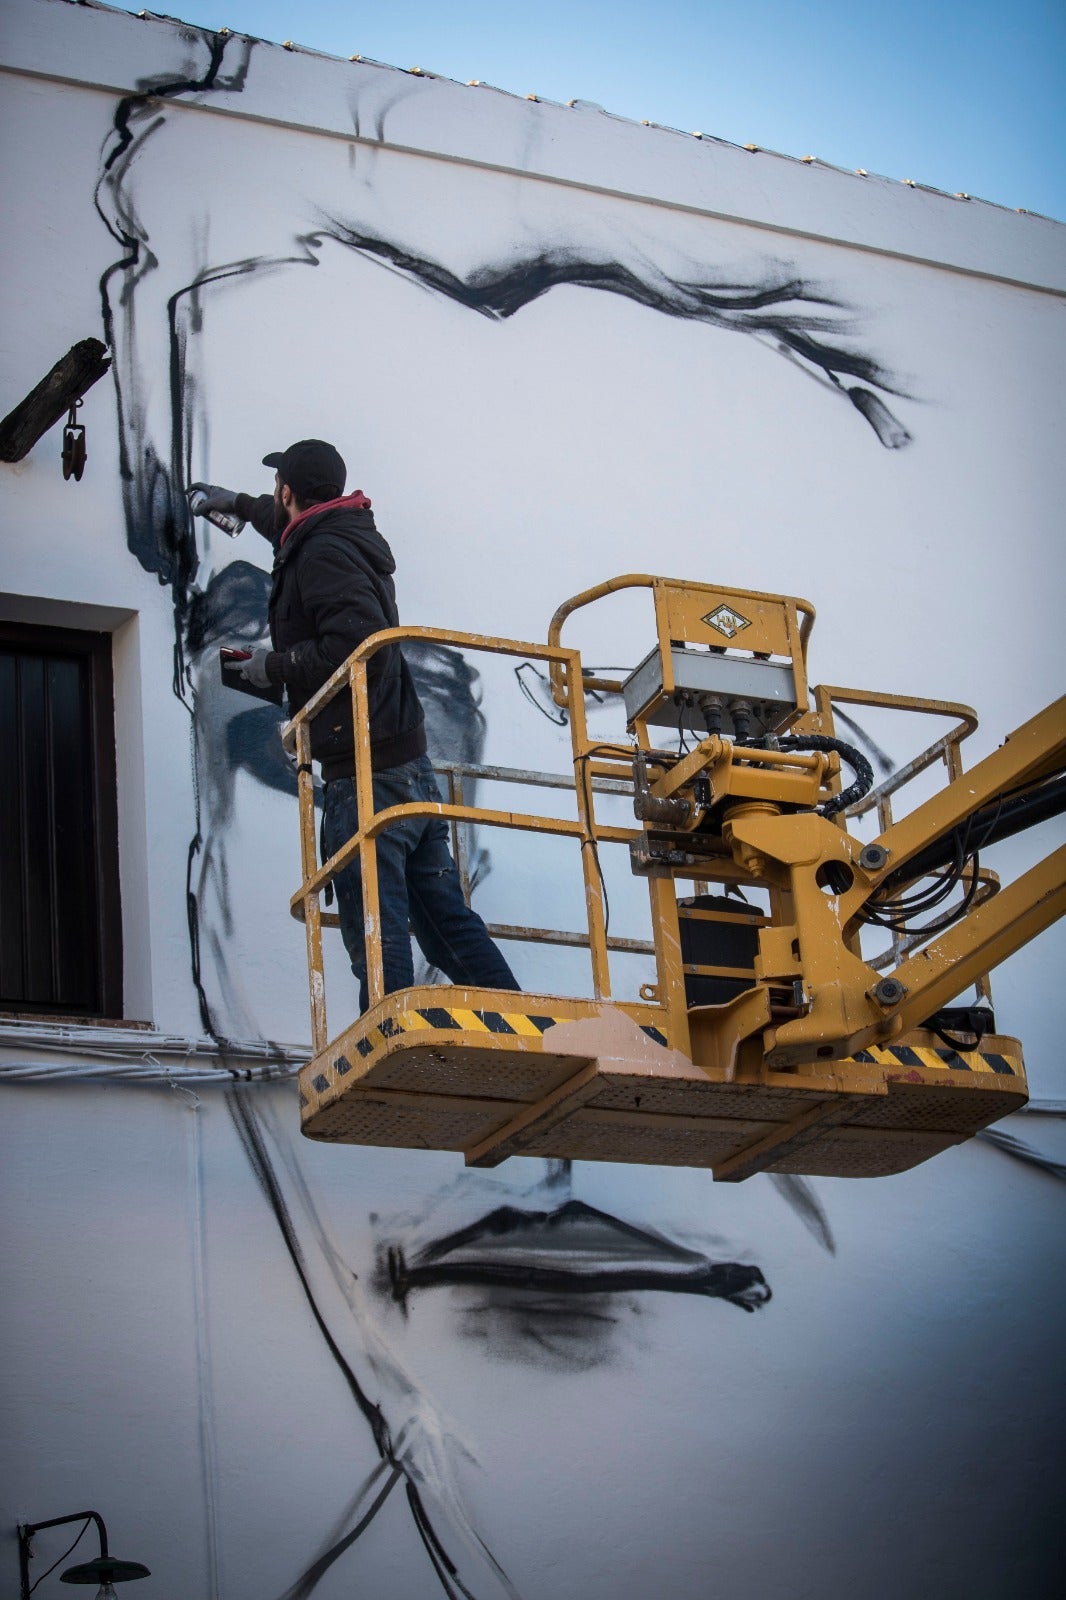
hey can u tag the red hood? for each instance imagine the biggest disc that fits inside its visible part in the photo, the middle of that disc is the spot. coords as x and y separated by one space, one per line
350 502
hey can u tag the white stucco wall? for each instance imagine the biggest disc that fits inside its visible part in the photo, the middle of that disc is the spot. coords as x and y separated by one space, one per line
305 247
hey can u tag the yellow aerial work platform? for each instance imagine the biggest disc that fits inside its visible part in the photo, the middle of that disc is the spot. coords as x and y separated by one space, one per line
768 1041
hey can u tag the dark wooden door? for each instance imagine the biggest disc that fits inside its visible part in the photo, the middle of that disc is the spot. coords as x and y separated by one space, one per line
60 948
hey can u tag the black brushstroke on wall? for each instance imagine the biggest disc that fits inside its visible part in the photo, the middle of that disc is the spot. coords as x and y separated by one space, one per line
552 1287
232 609
793 316
250 1133
799 1194
158 522
786 311
762 311
576 1248
309 1580
1019 1150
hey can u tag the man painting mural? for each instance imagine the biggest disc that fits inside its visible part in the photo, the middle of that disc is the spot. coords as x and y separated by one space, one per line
332 587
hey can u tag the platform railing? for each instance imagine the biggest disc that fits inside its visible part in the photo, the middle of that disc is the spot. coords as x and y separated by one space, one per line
947 750
797 617
588 778
455 775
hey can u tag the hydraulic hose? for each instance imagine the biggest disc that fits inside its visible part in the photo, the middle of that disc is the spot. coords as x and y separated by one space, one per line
864 773
993 823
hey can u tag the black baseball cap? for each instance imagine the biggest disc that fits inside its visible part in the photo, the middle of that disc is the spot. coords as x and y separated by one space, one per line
308 467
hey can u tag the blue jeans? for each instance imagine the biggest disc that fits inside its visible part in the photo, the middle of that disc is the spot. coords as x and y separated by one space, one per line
418 886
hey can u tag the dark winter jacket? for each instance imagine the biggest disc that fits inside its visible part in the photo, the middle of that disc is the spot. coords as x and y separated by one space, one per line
331 589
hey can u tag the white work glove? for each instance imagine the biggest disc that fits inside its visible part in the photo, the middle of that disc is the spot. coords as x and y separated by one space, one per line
254 670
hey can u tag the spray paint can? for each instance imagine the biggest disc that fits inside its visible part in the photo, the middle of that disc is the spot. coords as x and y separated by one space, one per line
228 521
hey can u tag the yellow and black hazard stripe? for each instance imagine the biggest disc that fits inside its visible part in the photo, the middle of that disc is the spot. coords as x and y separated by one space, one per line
526 1024
457 1019
904 1055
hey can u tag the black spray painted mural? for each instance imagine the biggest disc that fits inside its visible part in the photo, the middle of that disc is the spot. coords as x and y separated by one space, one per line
551 1277
802 321
545 1281
162 283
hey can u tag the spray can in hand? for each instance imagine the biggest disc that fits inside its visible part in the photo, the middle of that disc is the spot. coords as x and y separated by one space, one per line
219 506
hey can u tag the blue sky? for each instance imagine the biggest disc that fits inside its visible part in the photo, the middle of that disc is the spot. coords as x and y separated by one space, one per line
963 96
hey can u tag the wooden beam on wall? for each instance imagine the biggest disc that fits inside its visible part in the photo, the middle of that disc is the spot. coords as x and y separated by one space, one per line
71 377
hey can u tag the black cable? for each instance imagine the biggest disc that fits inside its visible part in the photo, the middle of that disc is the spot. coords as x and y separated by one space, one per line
590 838
897 915
584 758
560 717
64 1556
1012 812
902 925
883 759
958 1045
907 906
905 909
601 750
864 773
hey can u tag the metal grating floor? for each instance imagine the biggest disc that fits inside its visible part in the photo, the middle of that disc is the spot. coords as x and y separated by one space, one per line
441 1069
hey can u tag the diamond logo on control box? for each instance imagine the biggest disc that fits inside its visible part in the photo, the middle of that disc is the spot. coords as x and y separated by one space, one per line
727 621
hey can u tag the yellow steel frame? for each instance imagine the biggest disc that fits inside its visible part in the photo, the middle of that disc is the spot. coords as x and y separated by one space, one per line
779 625
816 1004
947 749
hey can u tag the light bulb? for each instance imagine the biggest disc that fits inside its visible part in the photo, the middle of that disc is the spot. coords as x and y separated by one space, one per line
106 1591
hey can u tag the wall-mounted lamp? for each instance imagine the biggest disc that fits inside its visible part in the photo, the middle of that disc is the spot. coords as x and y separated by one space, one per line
105 1570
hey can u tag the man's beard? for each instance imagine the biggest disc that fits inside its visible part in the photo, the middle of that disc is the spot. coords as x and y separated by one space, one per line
281 515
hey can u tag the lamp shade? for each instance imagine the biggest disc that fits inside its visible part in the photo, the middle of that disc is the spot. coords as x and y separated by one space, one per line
105 1570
